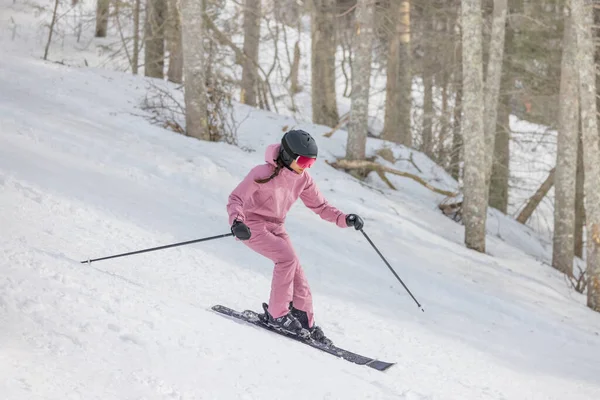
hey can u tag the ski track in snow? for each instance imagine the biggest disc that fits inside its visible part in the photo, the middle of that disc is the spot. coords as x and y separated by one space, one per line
82 175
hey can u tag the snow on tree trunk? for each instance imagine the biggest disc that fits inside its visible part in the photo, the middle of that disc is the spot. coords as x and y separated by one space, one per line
582 16
196 102
397 126
475 196
492 84
566 155
361 76
323 45
251 42
102 9
175 72
154 54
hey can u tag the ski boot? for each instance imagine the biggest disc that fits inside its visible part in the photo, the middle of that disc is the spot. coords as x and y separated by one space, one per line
287 323
316 333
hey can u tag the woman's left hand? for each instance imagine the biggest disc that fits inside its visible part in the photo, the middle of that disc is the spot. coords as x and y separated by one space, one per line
355 221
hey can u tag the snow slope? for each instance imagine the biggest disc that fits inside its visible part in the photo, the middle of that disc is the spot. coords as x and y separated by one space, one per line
82 175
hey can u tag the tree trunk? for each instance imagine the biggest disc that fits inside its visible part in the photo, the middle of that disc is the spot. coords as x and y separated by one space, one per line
175 72
323 47
251 41
51 30
582 14
498 194
154 60
566 156
492 85
475 196
196 101
398 102
102 10
457 142
579 206
442 153
361 76
135 59
537 198
295 69
427 129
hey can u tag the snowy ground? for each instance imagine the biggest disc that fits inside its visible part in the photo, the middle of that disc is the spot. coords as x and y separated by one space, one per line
83 175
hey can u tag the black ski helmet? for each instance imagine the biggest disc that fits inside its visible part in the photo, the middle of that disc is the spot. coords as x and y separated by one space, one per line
297 143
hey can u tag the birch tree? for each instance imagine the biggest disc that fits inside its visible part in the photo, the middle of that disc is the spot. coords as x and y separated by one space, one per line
582 17
102 9
195 96
566 155
323 46
475 197
251 45
154 54
361 76
397 127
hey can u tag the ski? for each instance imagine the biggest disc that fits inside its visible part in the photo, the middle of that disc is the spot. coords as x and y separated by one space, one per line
253 318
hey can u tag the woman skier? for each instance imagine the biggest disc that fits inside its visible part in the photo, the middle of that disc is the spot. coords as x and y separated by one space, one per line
257 208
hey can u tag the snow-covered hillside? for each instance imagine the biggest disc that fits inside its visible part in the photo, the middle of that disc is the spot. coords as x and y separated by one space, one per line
83 175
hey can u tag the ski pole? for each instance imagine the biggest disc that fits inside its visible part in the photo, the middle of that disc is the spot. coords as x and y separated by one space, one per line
159 248
391 269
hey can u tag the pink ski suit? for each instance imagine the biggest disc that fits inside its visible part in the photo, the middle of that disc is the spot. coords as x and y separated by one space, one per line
263 208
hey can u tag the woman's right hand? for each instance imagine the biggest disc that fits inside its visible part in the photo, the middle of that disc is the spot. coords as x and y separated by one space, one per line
240 230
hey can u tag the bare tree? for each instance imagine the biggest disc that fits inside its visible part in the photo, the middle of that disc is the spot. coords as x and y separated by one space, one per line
102 9
195 95
397 127
579 206
175 72
251 44
361 76
295 70
156 15
457 141
323 46
534 201
492 85
475 197
135 59
582 17
566 155
427 135
51 28
498 193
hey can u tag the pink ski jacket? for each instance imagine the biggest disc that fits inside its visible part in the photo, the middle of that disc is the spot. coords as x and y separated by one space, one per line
252 202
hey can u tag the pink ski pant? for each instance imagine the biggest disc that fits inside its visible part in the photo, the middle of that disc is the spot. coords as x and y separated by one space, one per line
289 282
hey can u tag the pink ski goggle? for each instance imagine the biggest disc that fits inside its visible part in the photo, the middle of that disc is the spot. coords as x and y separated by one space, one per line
305 162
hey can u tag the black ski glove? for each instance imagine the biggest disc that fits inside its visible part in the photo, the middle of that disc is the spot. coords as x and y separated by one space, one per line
355 221
240 230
